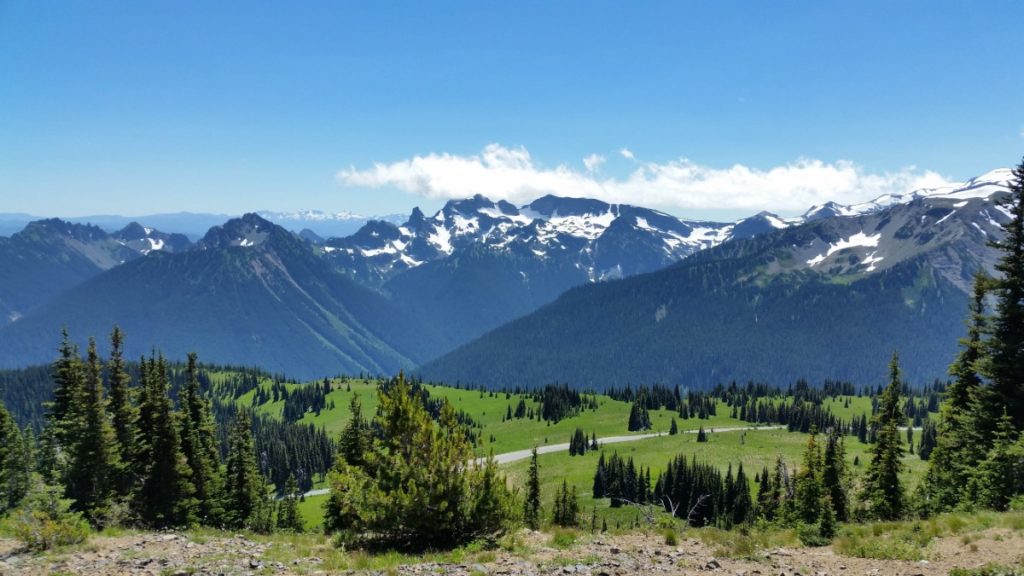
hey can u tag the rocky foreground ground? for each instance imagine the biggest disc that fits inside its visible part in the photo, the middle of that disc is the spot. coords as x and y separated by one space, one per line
167 554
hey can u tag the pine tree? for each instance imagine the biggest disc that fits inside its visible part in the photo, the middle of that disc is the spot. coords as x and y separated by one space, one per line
882 487
928 439
415 489
166 496
639 418
766 503
1000 476
15 461
827 527
808 482
288 513
673 428
531 511
742 507
92 455
835 477
566 507
353 442
1006 364
702 436
64 418
962 422
600 478
243 482
123 413
200 448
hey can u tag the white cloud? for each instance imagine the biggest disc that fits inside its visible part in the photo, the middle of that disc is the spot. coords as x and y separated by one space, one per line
627 153
511 174
593 162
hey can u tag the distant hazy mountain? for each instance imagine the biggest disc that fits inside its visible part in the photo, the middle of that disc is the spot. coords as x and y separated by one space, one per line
323 224
248 293
194 225
50 256
764 297
830 297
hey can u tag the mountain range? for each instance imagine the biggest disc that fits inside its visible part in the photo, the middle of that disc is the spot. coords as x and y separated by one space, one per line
828 297
194 225
496 294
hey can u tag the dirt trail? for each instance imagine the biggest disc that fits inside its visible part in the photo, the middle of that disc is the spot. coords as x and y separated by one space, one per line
167 554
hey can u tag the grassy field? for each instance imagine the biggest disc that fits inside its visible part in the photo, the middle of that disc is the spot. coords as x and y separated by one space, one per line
755 449
489 409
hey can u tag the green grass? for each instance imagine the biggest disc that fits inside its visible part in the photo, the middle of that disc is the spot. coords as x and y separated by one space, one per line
489 409
912 539
754 448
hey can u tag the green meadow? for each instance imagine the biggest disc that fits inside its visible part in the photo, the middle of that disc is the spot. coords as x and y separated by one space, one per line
754 448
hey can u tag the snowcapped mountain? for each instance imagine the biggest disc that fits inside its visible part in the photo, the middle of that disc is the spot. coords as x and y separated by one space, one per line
983 186
144 239
950 227
822 296
603 240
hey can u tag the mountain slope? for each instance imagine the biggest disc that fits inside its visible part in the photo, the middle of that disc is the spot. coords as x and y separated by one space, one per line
248 293
830 298
50 256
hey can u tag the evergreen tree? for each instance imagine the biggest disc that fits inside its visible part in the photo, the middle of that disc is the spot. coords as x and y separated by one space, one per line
1006 364
15 462
600 478
244 484
827 527
639 418
288 513
354 441
566 507
808 482
928 439
882 487
1000 476
835 477
673 428
531 510
123 413
200 448
415 489
92 455
742 506
702 436
69 380
166 496
766 503
960 430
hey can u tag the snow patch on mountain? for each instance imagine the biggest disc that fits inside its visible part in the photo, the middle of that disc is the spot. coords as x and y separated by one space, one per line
608 240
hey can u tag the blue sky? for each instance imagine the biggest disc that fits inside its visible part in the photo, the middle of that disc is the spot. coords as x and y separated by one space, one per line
699 108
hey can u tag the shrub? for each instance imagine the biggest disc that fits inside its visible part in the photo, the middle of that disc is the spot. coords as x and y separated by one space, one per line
45 520
411 488
563 538
810 535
